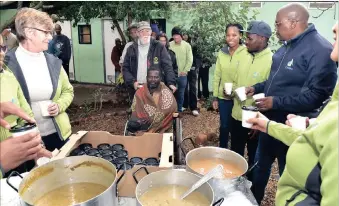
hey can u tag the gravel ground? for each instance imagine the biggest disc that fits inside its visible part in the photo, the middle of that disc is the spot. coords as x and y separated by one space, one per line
113 120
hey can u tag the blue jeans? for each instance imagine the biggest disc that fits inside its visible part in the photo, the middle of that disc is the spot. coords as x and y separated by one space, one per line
182 82
268 149
225 111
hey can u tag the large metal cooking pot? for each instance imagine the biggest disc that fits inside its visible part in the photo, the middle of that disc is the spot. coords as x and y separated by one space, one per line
171 177
76 169
217 152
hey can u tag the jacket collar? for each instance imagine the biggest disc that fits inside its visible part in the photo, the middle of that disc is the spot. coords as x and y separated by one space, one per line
226 49
311 28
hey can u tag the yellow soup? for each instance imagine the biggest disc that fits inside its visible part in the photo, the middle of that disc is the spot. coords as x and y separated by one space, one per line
70 194
169 195
203 166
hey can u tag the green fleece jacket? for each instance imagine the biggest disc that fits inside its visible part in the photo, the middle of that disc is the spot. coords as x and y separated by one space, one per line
311 172
183 54
226 68
62 94
257 71
11 92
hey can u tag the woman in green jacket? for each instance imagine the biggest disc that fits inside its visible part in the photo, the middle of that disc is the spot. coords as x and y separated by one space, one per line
311 173
229 59
41 76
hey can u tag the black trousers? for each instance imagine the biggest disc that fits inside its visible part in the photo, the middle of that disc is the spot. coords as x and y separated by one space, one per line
239 138
65 65
190 99
53 142
203 77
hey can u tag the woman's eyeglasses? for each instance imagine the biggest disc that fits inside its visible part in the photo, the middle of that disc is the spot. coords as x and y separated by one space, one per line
44 31
3 48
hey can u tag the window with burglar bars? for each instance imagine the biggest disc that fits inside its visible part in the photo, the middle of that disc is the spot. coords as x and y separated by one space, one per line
85 34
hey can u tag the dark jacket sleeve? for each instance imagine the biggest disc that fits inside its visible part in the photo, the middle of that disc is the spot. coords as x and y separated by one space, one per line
115 58
166 65
129 79
174 62
317 88
260 87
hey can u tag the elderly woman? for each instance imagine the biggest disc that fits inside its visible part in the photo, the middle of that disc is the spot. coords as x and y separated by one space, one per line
42 79
311 173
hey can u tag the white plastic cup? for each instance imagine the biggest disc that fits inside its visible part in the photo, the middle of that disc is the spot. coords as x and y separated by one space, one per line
22 130
258 96
241 92
248 113
44 107
42 161
228 88
298 122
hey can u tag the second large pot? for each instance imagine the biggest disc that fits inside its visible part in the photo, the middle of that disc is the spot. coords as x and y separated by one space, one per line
70 170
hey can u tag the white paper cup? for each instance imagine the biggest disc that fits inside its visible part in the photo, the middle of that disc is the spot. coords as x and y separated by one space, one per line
298 122
241 92
22 130
258 96
42 161
228 88
248 113
44 107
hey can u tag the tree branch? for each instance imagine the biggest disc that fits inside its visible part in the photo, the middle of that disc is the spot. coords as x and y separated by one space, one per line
6 3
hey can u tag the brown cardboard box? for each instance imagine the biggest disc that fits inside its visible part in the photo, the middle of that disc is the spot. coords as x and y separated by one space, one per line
148 145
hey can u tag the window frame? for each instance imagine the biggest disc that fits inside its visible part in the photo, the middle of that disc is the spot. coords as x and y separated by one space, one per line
80 34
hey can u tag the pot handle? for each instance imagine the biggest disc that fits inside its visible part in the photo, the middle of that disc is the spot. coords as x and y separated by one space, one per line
219 202
134 173
184 140
10 176
119 179
250 169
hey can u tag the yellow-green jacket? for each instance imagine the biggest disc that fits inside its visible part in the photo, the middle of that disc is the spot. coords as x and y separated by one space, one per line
62 89
11 92
226 68
311 172
256 71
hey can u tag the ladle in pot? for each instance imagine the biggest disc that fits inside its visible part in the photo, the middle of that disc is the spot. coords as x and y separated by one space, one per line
216 172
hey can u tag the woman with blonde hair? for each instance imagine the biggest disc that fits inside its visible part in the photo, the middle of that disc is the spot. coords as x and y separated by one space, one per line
43 81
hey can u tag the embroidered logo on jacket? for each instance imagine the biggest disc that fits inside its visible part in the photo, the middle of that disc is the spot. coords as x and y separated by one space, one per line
289 65
156 60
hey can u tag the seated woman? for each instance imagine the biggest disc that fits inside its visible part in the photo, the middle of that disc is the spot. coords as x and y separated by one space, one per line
153 106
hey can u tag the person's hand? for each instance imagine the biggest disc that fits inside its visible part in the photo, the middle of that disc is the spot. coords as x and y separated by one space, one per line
183 74
291 116
53 109
265 103
44 153
136 85
8 108
229 96
173 88
249 91
259 122
17 150
215 104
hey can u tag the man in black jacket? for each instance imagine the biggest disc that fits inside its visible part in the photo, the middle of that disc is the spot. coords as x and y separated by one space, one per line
146 53
302 77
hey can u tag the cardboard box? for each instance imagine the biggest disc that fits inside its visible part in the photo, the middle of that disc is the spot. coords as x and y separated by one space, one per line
147 145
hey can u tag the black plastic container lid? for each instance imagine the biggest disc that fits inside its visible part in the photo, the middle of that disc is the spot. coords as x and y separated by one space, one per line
126 166
121 153
108 158
22 128
152 161
250 108
76 152
85 146
117 147
92 152
106 152
104 146
120 160
98 155
135 160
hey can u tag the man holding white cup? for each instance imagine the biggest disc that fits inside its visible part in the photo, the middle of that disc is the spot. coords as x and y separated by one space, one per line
258 34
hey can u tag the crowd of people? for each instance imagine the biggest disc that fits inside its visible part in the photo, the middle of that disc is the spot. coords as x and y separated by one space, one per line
296 80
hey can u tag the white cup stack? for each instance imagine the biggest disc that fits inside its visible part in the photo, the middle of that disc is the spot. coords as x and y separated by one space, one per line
248 112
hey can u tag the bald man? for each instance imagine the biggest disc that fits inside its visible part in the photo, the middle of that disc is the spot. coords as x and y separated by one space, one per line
61 47
302 77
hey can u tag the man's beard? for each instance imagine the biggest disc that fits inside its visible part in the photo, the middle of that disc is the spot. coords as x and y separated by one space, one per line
145 39
154 85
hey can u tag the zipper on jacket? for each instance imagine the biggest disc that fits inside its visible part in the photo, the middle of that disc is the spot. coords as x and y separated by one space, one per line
277 70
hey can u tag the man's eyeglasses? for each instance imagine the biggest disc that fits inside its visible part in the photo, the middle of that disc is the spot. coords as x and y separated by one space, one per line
3 48
44 31
277 24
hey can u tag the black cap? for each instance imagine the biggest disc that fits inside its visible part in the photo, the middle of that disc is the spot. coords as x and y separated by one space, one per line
259 27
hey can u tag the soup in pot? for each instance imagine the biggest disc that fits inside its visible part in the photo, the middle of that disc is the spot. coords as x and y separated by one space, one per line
204 165
71 194
169 195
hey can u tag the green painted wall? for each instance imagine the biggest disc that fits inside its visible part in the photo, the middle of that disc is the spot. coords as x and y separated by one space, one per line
5 15
89 58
